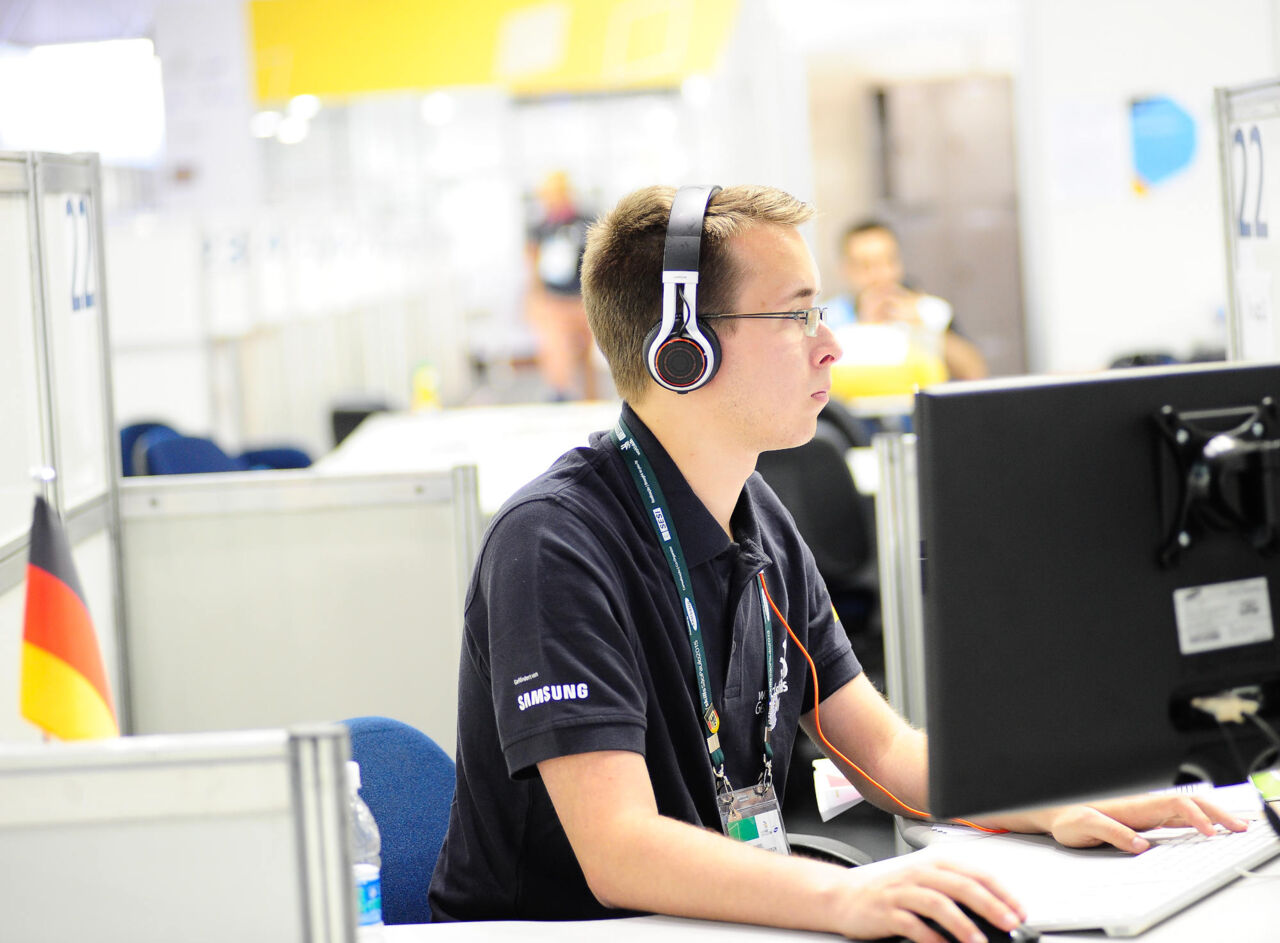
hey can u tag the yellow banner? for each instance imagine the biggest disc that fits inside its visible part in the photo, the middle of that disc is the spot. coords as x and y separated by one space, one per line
342 48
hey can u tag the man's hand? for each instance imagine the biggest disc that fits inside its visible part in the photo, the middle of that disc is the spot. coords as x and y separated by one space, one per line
1118 821
897 904
888 305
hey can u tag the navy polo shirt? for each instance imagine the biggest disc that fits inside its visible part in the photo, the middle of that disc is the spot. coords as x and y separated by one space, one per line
574 642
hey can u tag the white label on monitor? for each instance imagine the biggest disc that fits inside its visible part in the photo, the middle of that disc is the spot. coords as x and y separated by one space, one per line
1223 615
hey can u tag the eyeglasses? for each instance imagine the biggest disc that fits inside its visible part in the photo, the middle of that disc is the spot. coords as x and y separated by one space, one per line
811 317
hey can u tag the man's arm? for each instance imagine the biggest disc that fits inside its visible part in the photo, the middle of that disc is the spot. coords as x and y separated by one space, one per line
858 721
963 359
862 726
635 858
1118 821
961 356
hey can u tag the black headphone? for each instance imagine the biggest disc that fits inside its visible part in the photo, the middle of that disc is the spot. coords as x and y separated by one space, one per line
680 354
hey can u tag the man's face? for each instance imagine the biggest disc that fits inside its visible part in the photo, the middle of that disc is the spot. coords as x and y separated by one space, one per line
773 379
872 260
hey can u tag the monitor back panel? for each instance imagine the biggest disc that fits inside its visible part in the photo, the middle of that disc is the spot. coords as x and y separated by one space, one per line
1051 648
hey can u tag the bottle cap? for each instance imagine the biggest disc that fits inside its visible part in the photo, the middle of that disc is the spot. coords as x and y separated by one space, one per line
353 776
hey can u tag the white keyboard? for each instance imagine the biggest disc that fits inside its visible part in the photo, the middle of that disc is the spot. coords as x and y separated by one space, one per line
1126 895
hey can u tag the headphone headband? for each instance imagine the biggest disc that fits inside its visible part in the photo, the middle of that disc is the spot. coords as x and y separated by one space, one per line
684 229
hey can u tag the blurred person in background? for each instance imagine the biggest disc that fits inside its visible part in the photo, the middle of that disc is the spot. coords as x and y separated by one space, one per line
553 304
871 263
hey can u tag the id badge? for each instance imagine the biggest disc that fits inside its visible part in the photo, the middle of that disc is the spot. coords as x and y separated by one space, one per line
752 815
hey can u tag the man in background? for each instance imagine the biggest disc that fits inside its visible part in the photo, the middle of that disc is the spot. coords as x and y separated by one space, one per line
871 262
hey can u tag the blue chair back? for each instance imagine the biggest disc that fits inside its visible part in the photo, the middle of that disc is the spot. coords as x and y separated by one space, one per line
188 455
278 457
407 782
132 444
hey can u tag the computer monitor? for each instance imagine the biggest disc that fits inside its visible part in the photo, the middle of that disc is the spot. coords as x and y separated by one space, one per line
1097 552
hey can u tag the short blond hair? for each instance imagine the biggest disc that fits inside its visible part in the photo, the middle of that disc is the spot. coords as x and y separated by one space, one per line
622 267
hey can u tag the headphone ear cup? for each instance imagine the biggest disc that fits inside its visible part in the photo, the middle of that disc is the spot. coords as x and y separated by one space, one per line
713 342
649 340
680 361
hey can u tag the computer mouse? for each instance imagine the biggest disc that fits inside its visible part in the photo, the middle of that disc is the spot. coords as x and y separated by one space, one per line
994 934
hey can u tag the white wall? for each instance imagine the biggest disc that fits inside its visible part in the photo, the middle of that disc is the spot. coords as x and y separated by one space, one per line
157 323
1107 270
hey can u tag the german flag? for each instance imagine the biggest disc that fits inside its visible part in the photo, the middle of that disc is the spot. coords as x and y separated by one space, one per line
64 686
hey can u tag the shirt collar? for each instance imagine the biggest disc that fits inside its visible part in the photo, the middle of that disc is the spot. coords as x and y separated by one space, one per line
701 536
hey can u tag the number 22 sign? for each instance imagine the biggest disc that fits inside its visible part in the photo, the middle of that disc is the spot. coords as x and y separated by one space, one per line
81 245
1249 226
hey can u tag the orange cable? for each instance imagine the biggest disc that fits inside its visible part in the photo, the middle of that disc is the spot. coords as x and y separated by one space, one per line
817 723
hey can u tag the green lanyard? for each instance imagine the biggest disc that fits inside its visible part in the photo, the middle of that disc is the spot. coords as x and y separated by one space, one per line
664 527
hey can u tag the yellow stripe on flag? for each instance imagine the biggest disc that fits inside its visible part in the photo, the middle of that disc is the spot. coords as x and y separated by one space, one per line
61 700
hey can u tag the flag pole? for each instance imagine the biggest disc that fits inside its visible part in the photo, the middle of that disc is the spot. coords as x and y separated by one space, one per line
44 476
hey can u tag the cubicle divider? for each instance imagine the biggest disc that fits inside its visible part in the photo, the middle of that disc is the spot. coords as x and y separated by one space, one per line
1248 125
55 401
901 601
262 599
204 838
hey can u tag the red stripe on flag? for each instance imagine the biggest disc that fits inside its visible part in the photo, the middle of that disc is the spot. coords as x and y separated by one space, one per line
57 621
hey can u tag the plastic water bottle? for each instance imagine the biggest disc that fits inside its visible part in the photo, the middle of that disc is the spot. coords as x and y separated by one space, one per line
366 856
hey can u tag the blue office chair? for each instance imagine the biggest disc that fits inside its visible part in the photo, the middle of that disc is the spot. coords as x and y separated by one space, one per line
130 436
278 457
140 440
188 455
407 782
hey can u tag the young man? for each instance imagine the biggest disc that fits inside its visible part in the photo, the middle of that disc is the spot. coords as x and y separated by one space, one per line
592 779
871 262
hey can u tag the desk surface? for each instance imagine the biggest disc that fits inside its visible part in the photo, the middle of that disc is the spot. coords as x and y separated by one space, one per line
1246 911
509 445
626 930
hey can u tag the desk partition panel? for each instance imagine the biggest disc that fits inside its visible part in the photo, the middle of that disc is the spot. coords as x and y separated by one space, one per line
203 838
73 307
20 412
902 606
55 400
1248 144
269 598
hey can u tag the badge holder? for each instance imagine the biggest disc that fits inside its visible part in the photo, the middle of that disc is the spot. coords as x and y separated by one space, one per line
752 815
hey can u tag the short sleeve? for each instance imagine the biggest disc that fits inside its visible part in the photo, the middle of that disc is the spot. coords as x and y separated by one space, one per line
934 313
829 646
563 660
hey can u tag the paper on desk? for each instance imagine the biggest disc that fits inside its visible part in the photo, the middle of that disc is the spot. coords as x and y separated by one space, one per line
1240 799
833 791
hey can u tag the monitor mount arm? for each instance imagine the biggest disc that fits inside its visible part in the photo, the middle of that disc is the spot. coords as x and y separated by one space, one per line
1228 464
